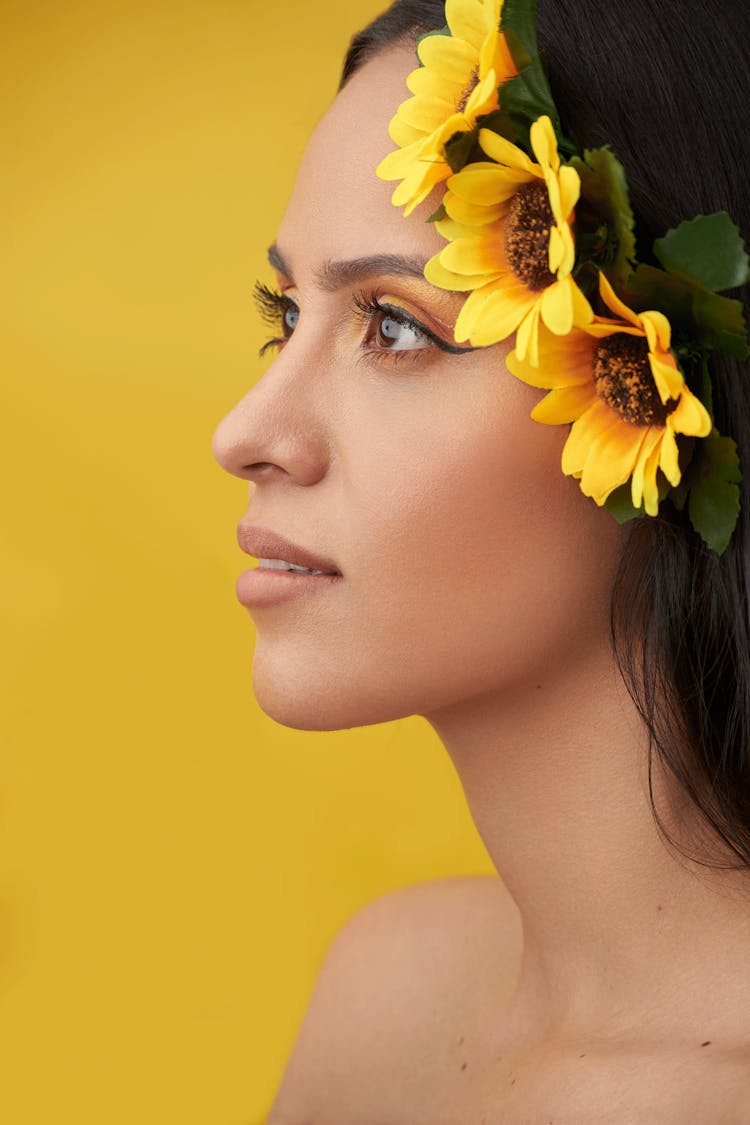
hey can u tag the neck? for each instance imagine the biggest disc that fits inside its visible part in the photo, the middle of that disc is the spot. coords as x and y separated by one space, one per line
620 932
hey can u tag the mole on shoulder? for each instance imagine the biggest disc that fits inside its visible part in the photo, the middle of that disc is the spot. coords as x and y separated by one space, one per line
706 1044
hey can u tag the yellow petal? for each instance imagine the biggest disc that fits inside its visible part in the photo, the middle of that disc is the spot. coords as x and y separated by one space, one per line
471 310
650 446
690 416
600 327
556 249
503 64
564 405
415 188
494 319
650 487
402 134
527 338
486 183
563 361
451 230
611 459
614 303
570 189
436 273
398 164
553 194
583 313
483 98
596 420
658 330
669 457
504 152
426 83
482 255
544 144
557 307
451 58
467 19
568 258
668 379
473 214
426 112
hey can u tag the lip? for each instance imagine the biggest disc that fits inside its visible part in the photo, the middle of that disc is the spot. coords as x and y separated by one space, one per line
263 586
265 544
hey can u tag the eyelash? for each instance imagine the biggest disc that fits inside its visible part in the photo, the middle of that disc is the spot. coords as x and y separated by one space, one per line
273 307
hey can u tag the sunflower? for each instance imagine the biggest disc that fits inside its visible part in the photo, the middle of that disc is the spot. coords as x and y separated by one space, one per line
511 243
620 385
456 83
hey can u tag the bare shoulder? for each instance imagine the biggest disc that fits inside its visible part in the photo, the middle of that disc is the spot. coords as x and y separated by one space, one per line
402 981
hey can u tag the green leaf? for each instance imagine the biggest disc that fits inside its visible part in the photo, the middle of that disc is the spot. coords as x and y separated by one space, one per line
708 249
439 215
428 35
714 491
605 189
459 147
619 503
527 96
717 322
518 24
722 321
679 494
706 392
499 122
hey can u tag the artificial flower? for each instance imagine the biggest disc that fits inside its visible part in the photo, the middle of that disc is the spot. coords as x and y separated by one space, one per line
511 243
619 383
456 83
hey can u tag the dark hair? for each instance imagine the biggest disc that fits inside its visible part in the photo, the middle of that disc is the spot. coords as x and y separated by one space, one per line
666 83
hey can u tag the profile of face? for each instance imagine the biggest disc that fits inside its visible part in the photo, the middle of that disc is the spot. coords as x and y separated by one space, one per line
470 565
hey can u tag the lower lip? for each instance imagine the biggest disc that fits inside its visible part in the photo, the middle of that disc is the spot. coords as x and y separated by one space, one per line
263 586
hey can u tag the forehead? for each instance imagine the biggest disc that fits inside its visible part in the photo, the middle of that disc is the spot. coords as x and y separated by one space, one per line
339 209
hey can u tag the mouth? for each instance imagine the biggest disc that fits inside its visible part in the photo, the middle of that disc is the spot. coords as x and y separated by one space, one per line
276 552
282 564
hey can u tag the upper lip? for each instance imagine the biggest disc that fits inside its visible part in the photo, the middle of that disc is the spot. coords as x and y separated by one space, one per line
265 544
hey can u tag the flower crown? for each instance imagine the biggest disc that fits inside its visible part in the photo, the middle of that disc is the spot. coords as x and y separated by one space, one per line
546 249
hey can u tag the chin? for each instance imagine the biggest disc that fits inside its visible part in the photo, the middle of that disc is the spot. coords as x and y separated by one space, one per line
311 700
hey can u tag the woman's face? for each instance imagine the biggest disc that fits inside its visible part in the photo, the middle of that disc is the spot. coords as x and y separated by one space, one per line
469 564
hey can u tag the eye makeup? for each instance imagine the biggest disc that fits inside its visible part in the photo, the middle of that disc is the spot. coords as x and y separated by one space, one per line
371 306
282 314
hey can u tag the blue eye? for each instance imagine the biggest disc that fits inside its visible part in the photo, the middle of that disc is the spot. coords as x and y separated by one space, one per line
392 329
400 336
278 311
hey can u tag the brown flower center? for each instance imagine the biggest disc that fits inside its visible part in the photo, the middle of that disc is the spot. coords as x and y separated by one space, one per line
527 231
624 380
468 90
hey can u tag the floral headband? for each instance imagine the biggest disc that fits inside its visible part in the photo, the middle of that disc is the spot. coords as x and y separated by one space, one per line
546 249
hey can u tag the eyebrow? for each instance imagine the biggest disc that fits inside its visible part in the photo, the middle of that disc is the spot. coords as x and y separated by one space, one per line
338 275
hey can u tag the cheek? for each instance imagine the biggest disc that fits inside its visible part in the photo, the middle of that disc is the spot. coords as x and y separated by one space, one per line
478 558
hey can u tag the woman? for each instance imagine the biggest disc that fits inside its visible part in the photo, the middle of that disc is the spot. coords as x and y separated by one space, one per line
461 576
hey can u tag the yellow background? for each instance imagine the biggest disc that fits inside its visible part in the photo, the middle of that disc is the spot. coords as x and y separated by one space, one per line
172 862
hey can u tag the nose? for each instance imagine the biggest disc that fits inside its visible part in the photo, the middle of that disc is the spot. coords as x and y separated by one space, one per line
277 431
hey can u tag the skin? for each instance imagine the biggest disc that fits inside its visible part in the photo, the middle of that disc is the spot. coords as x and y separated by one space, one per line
476 592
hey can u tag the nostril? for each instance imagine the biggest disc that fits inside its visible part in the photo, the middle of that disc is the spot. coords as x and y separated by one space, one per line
264 472
260 467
